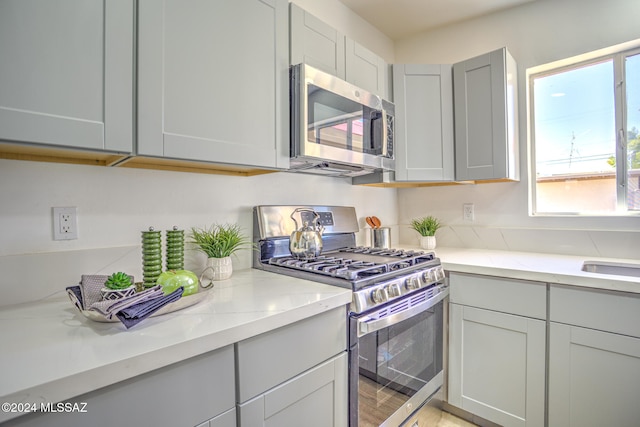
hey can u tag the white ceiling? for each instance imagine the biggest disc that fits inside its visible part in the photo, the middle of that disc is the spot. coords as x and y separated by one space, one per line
401 18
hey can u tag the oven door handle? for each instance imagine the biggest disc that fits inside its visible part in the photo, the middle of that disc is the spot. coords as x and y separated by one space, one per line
366 327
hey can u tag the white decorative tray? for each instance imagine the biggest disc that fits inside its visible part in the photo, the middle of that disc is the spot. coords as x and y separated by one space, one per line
183 302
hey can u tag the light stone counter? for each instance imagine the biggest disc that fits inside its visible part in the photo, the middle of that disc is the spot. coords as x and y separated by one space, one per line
51 353
549 268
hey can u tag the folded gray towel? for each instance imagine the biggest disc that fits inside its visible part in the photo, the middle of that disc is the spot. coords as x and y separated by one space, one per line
108 308
90 285
75 295
134 314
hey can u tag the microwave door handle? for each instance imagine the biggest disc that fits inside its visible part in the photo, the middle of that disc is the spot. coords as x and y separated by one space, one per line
385 135
381 115
367 327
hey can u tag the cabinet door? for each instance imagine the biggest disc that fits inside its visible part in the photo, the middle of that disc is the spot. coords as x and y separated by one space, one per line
316 398
497 365
227 419
594 378
213 81
66 74
316 43
365 69
424 122
485 103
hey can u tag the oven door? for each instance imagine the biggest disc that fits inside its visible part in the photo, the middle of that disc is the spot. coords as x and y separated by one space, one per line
396 359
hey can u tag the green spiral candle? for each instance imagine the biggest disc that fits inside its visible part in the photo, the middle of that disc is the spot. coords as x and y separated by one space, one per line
175 249
151 257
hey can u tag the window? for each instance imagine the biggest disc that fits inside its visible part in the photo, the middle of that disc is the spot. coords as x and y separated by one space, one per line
586 136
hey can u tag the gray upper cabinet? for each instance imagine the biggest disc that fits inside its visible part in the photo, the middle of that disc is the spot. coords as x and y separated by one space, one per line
365 69
66 74
424 122
213 81
485 110
318 44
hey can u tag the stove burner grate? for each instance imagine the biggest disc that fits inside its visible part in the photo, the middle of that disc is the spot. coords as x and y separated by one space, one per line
356 263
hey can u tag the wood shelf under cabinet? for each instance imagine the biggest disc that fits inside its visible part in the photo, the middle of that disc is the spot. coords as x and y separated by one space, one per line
37 153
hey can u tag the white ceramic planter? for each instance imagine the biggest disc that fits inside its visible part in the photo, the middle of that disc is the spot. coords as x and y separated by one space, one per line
428 242
216 269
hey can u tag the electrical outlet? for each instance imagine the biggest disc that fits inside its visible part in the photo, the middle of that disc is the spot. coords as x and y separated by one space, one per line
467 212
65 223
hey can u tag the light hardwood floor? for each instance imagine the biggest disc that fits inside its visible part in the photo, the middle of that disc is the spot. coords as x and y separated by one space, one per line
434 417
375 403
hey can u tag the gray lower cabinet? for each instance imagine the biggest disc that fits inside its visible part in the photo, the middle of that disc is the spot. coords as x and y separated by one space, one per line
485 110
213 81
497 349
424 122
227 419
295 375
316 398
594 358
66 74
194 392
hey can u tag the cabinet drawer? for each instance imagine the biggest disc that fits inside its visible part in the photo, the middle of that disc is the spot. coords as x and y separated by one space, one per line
506 295
616 312
274 357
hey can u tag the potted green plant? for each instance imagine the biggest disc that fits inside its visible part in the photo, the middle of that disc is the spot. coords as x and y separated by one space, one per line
427 227
219 242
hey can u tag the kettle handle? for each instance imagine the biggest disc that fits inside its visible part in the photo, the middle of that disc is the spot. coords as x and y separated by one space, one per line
316 217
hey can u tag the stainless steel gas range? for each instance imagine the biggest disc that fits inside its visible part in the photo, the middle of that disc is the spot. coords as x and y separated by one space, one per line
396 318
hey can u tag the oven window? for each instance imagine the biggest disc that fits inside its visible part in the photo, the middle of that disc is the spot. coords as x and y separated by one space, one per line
396 362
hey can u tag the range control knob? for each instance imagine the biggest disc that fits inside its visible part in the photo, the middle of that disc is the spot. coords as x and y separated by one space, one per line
393 290
412 283
427 277
379 295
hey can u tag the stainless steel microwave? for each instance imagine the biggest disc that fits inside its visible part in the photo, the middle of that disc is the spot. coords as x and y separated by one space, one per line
337 128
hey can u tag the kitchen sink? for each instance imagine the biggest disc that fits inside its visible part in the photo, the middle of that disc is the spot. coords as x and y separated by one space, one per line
617 268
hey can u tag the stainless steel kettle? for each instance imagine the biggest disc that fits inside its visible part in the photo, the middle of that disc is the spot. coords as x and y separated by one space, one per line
306 242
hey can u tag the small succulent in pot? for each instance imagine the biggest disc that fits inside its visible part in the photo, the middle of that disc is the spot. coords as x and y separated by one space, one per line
118 280
118 285
426 226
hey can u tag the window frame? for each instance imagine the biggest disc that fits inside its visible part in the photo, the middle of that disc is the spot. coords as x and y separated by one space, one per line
617 54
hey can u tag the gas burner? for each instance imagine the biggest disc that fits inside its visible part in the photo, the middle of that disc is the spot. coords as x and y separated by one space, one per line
400 253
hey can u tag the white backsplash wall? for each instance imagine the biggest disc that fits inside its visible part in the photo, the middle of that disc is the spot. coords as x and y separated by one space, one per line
501 222
535 33
115 204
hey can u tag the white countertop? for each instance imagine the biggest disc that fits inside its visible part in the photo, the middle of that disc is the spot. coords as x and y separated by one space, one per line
549 268
51 353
